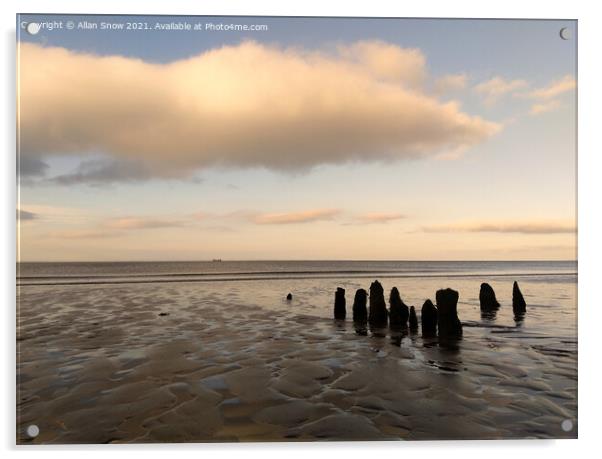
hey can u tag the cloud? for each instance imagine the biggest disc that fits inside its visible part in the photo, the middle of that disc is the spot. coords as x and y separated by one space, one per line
104 171
114 227
58 214
82 234
554 89
134 223
492 90
536 109
24 215
249 105
379 217
524 227
547 95
495 88
295 217
449 83
28 166
386 61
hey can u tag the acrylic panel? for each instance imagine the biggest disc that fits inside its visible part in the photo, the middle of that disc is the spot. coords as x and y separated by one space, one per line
295 229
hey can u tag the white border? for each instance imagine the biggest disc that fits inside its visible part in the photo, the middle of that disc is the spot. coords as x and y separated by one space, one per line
589 215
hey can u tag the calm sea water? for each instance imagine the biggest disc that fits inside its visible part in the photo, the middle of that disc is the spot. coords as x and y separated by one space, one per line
80 272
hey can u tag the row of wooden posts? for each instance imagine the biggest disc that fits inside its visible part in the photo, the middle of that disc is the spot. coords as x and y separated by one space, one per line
441 319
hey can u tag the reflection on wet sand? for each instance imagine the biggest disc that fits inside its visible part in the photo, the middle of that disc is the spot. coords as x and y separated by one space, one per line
519 318
361 328
488 316
99 364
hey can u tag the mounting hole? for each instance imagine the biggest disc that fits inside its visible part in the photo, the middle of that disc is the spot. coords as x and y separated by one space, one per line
32 431
565 33
33 28
567 425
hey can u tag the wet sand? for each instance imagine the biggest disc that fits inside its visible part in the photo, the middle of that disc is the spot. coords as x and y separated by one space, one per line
99 364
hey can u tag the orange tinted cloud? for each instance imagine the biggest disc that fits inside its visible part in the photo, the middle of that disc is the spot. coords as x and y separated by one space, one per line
449 83
249 105
81 234
547 95
495 88
295 217
543 107
131 223
554 89
379 217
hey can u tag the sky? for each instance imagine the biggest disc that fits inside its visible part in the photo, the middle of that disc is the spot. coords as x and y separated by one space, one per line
314 138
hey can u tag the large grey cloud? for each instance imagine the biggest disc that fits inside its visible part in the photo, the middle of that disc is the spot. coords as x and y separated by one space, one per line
243 106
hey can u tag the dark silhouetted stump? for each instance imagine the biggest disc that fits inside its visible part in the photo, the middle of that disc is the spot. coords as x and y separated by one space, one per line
518 302
378 308
289 297
413 319
360 312
339 304
429 318
487 298
447 307
398 312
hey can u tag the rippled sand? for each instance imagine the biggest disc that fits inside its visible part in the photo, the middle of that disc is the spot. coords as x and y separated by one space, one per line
99 364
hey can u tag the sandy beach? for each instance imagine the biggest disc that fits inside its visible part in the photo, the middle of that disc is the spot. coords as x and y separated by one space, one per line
210 363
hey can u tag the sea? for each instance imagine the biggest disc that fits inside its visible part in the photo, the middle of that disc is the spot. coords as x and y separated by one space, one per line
549 287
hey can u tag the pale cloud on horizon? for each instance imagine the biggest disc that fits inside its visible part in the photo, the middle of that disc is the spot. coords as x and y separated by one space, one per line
305 216
509 226
332 231
379 217
135 223
84 234
249 105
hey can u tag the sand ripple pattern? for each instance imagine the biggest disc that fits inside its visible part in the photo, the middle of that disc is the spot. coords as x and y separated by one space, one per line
98 364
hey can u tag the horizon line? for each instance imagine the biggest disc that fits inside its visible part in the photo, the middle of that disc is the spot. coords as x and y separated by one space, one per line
296 260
